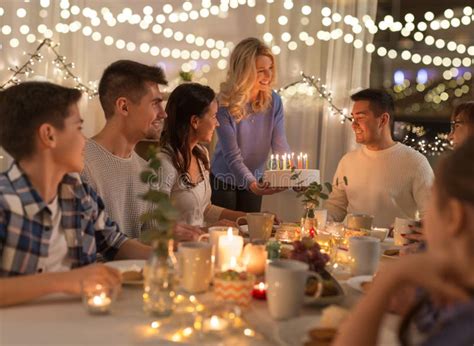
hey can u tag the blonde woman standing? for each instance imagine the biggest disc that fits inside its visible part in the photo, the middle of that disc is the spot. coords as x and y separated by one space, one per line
251 125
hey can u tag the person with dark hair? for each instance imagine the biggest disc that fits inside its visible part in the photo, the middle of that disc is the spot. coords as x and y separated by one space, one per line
462 123
386 179
184 171
130 96
443 314
52 225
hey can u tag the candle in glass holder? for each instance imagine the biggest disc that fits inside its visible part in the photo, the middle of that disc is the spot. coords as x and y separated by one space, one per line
97 300
229 246
260 291
254 258
214 324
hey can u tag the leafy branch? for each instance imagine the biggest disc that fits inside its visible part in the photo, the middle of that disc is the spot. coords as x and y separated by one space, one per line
314 193
161 215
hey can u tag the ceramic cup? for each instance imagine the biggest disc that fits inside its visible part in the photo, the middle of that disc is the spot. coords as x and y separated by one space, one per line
195 266
402 226
365 254
260 225
286 281
358 221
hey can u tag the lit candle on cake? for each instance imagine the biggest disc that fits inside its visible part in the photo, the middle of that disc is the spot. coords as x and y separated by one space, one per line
284 161
272 157
300 164
278 161
305 160
229 246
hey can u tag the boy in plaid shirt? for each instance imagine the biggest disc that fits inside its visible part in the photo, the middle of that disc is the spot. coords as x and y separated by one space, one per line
52 225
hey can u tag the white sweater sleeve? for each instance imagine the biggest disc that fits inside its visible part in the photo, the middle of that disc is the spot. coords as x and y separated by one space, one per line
337 202
423 180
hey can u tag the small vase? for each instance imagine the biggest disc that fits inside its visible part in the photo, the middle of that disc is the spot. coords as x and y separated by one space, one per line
159 274
309 223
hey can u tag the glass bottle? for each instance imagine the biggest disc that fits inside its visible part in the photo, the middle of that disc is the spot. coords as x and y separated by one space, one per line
159 275
309 222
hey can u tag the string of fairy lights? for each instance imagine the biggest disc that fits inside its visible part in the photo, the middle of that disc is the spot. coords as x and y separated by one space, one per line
157 20
416 137
59 61
311 86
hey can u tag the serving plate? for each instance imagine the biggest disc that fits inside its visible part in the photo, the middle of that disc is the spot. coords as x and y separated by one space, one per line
128 265
335 298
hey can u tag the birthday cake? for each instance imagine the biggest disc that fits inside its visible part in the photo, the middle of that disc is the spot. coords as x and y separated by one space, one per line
291 178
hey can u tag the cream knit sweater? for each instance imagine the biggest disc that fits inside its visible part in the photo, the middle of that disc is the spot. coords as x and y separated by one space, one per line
389 183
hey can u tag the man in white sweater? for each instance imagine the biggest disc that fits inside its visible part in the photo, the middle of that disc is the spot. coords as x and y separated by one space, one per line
130 96
385 178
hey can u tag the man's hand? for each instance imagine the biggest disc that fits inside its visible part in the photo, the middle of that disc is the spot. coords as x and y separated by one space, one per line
102 274
183 232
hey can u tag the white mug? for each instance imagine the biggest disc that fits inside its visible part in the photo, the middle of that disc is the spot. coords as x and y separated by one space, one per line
380 233
402 226
358 221
195 266
286 281
365 254
260 225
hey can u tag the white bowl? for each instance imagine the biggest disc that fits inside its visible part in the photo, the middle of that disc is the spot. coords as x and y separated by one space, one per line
379 233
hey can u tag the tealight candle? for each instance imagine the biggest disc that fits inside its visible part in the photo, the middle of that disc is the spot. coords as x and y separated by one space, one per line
229 246
260 291
97 298
214 324
99 304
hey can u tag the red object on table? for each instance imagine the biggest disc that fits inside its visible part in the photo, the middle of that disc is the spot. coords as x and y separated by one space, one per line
312 232
260 291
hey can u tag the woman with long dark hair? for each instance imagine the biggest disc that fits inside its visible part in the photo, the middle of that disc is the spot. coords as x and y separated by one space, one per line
184 173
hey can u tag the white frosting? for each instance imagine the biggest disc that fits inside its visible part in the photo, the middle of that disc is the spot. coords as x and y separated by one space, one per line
287 178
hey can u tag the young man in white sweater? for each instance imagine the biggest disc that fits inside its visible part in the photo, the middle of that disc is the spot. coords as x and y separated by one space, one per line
130 96
385 178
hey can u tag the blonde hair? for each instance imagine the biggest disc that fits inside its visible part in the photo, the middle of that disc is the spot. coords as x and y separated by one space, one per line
241 75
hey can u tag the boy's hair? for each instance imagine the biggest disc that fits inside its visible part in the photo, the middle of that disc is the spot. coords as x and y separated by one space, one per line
25 107
380 102
126 78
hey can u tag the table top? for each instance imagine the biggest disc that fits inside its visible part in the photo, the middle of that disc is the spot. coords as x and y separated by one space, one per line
61 320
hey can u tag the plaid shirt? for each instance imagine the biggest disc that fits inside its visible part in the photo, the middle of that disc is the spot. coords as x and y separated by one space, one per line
25 224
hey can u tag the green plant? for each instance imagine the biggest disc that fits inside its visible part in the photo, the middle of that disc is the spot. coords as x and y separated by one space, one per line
314 193
186 76
161 215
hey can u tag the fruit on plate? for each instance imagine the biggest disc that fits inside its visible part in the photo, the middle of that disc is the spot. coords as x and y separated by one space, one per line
308 251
